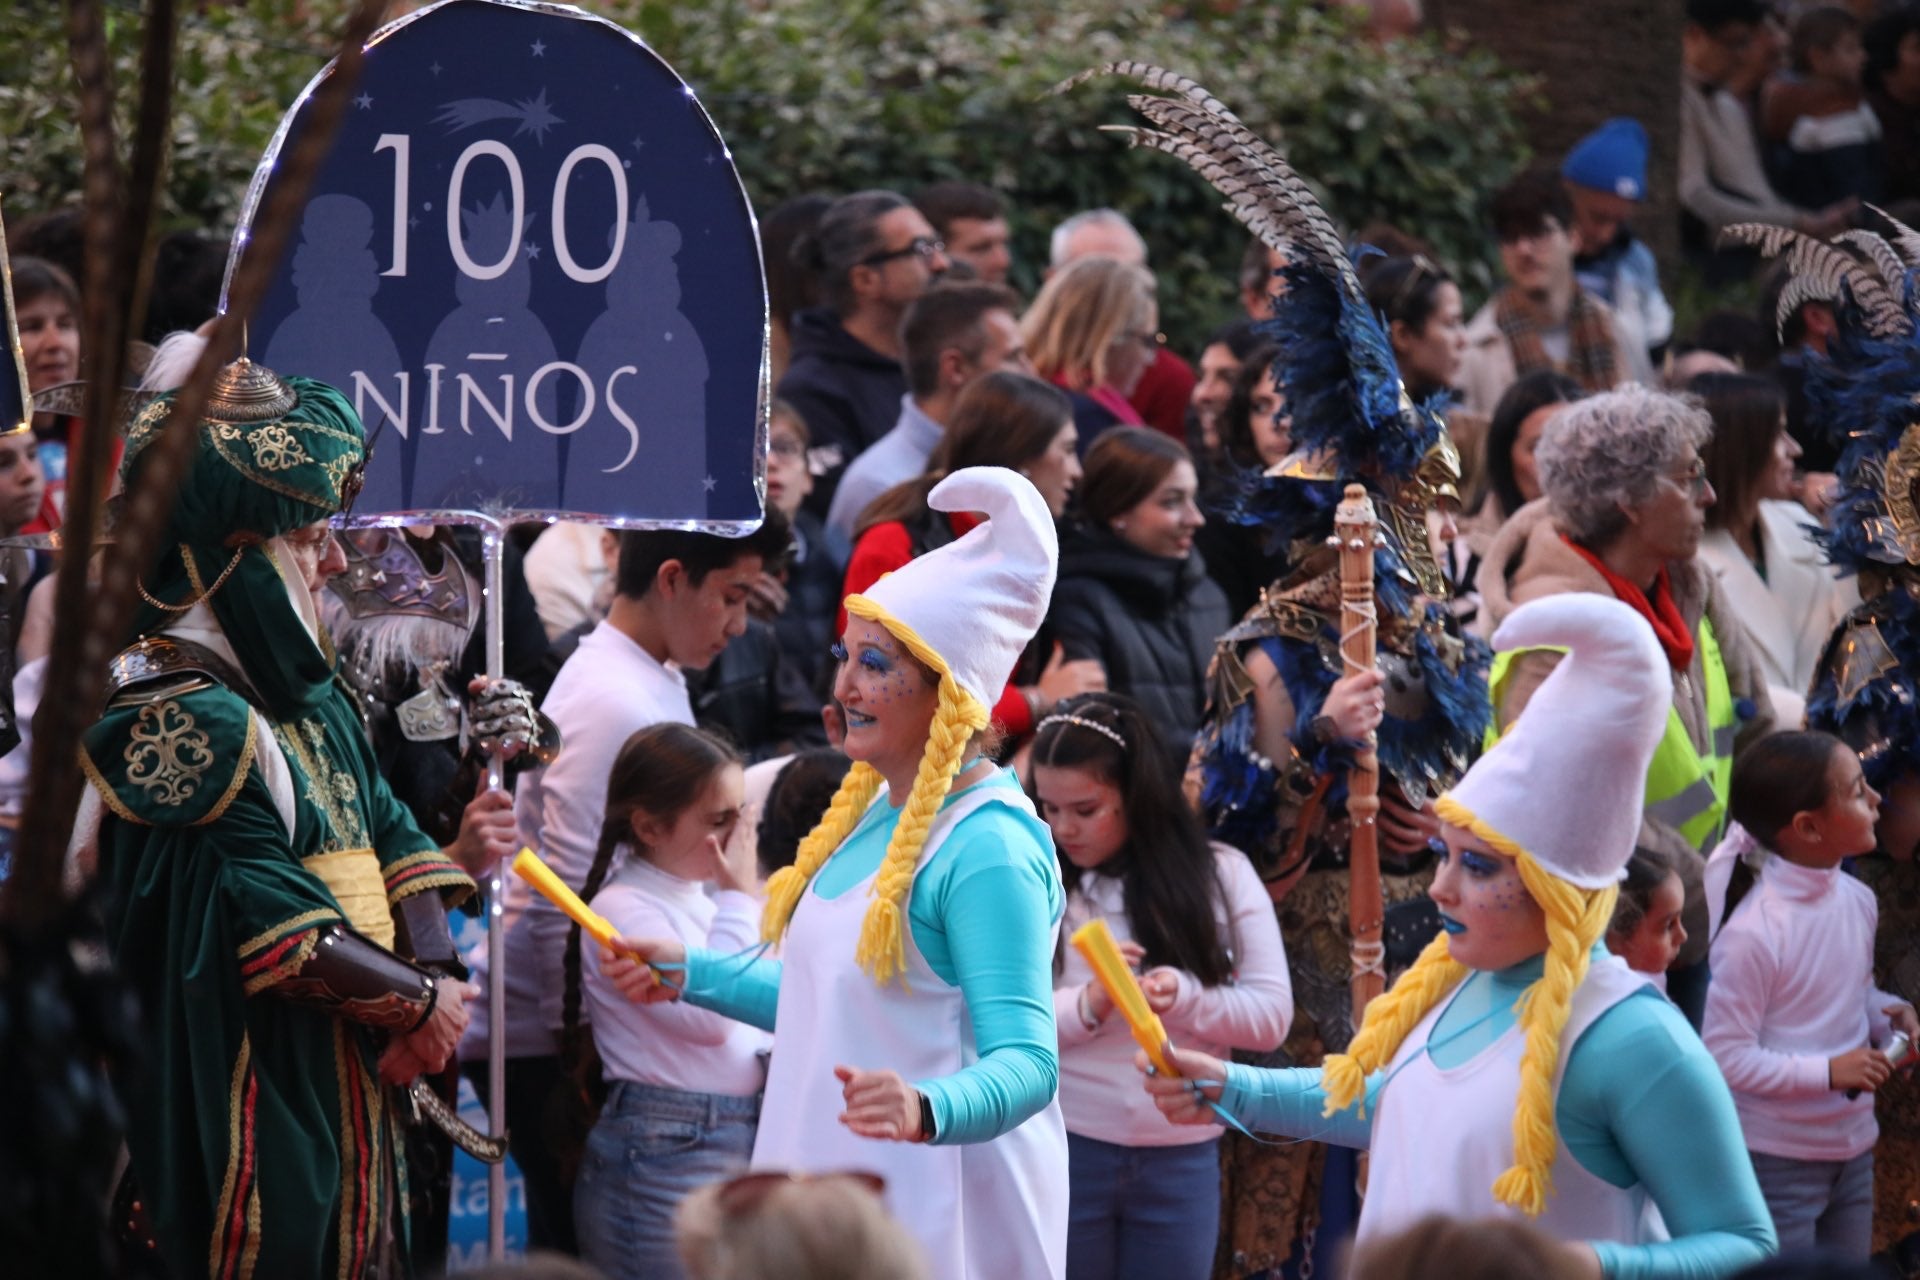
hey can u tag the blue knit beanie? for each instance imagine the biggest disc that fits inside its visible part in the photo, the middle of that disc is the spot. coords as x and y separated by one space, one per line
1611 158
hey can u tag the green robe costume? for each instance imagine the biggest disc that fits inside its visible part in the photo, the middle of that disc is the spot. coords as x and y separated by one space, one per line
260 1137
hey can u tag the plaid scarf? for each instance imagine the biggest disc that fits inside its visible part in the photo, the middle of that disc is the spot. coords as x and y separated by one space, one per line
1591 359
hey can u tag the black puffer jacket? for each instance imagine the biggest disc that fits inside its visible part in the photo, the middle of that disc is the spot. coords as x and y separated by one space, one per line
1149 620
848 393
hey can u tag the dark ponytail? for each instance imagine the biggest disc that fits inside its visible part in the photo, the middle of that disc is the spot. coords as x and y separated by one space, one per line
659 772
1779 776
1171 878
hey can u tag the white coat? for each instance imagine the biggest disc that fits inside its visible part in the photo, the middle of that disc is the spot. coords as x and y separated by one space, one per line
1791 613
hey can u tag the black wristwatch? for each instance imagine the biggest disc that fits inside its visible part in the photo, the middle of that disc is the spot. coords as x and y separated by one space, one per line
926 1118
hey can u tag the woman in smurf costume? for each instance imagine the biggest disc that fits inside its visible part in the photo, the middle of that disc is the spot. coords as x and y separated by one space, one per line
1518 1067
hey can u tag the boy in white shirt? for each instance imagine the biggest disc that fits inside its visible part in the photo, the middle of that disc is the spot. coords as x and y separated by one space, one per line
679 597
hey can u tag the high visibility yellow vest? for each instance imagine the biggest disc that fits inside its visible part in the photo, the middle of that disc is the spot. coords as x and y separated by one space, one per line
1685 789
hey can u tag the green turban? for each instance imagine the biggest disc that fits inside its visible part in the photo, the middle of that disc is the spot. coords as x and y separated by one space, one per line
272 455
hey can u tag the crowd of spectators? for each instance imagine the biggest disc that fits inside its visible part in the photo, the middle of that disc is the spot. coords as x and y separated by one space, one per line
903 353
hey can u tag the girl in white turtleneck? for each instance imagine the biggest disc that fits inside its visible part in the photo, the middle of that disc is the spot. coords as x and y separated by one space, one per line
1793 1016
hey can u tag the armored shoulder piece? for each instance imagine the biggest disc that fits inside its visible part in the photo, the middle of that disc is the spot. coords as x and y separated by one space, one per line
177 738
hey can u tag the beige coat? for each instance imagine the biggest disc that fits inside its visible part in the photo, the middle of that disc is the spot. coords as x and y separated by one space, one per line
1528 561
1792 612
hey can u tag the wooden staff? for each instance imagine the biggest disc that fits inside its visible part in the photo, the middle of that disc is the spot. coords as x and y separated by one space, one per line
1355 530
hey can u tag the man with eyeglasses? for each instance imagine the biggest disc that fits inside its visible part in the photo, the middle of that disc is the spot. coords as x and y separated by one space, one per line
873 254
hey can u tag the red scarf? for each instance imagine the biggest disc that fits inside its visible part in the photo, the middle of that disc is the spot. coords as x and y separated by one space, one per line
1669 628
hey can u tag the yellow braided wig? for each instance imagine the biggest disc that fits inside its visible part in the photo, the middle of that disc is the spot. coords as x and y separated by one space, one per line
1576 919
957 716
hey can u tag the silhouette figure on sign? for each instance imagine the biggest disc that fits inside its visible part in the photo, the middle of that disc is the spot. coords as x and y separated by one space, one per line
333 334
651 422
493 383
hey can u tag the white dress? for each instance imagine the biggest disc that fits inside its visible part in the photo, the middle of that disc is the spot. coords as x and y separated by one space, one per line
988 1210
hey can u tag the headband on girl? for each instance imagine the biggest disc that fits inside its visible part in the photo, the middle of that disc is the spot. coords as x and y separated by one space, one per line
1084 723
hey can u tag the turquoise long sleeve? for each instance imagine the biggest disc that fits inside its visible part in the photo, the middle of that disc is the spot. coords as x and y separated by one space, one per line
1669 1124
983 913
1621 1125
1290 1102
997 936
746 990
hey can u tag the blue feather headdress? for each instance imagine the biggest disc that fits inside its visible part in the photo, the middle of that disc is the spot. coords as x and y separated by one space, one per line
1349 406
1865 393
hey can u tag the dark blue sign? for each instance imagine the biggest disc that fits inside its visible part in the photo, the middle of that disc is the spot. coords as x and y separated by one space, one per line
530 263
15 415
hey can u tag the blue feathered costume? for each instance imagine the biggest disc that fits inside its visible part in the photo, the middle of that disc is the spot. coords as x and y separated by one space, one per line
1351 422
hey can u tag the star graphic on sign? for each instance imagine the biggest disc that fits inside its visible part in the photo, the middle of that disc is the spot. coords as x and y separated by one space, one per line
638 142
413 220
710 484
533 251
539 49
364 101
436 68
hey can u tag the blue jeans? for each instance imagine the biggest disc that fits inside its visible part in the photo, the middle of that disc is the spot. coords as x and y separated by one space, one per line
1142 1213
649 1148
1828 1203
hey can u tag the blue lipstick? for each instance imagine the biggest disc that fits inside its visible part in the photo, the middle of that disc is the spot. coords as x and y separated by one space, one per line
1451 925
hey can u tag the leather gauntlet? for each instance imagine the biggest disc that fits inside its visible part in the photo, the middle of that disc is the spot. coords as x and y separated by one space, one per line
352 978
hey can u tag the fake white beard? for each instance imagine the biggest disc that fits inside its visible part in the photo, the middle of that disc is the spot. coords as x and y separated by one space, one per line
173 361
389 644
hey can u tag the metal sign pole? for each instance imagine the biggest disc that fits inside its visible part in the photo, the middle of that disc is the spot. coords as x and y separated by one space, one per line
494 541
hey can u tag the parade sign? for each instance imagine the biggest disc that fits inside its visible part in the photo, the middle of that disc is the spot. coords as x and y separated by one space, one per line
530 263
15 410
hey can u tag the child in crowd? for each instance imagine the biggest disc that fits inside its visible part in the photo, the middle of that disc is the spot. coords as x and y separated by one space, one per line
1145 1195
803 602
799 794
1823 140
683 1085
1792 1013
1646 931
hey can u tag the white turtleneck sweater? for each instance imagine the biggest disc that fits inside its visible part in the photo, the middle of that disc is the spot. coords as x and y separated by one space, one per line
1792 988
674 1044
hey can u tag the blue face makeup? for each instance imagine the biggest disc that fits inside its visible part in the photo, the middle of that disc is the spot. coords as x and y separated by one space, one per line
837 651
1451 925
1479 864
876 662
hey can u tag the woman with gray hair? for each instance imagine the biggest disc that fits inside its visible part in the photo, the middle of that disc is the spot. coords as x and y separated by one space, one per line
1626 496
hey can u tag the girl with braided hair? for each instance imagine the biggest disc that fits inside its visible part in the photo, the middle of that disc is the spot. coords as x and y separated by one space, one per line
1518 1065
682 1084
913 995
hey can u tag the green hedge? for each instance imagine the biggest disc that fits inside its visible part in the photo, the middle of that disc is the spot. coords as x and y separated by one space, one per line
835 95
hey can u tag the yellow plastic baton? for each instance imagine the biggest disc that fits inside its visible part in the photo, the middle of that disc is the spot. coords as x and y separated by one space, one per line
1094 940
527 865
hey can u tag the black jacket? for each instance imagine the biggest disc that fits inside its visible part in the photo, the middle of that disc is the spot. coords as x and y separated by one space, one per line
755 698
848 394
1150 621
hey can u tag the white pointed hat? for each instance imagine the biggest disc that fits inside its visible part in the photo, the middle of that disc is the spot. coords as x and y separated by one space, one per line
1568 780
969 608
